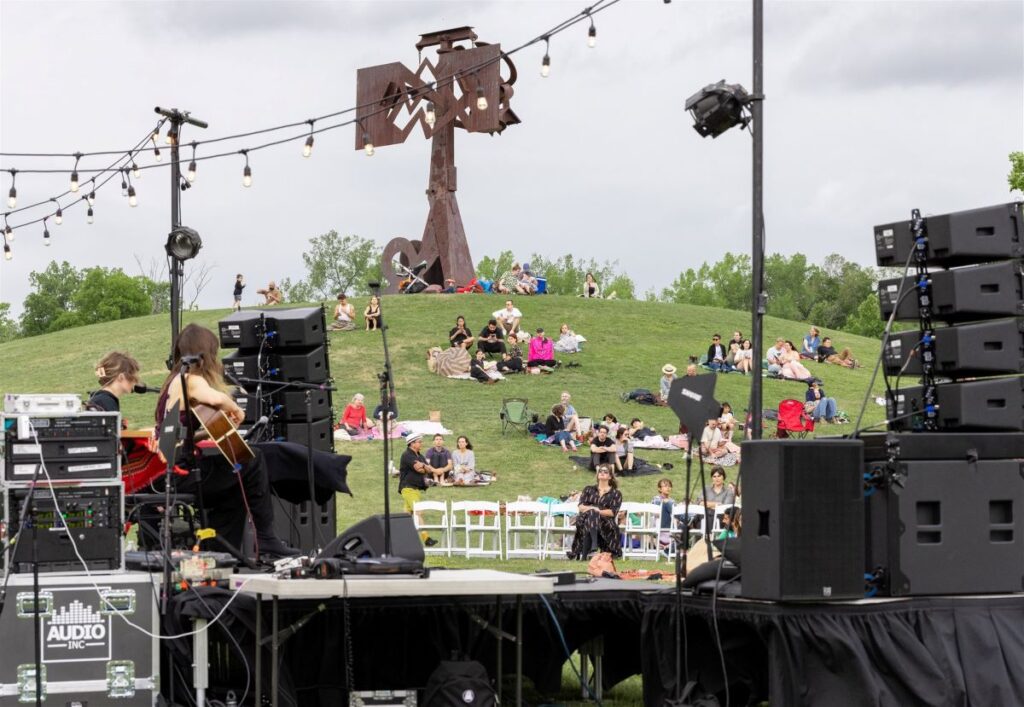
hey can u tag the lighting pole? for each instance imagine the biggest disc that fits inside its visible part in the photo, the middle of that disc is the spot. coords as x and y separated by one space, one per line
757 246
176 118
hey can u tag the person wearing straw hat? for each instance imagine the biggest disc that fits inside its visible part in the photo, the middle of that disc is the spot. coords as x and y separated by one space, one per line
412 477
668 374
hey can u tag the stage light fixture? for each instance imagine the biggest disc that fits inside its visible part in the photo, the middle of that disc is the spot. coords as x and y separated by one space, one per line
718 107
183 243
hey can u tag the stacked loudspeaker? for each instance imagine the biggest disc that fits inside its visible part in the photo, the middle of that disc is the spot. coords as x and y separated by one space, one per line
945 491
286 346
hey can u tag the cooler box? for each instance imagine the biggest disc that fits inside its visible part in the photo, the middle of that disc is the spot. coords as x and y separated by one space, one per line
542 286
90 655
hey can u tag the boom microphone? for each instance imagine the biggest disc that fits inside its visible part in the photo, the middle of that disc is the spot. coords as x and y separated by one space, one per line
143 388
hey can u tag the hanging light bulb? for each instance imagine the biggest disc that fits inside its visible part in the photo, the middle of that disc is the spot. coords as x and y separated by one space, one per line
7 252
172 136
156 153
481 99
124 184
46 234
58 218
545 64
592 35
74 181
307 149
430 116
8 235
92 196
367 145
191 175
89 216
12 195
247 176
132 200
136 172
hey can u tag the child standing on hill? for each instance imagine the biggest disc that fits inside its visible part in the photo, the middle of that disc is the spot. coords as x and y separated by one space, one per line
239 286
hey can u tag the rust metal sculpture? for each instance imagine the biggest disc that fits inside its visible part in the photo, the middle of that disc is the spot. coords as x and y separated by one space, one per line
468 92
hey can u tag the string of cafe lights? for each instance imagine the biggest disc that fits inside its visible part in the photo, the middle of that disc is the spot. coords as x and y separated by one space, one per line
127 167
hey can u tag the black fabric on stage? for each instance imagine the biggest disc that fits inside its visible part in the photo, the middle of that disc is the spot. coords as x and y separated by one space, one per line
925 651
288 474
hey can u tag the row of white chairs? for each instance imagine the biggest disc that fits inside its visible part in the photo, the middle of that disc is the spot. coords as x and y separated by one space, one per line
530 529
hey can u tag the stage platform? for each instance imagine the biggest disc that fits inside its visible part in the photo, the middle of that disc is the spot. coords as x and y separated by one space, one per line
911 651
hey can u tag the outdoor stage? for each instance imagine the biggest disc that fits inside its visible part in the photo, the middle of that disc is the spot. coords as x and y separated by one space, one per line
919 651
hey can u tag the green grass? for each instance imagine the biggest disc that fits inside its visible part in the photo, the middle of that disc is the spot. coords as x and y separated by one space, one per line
628 343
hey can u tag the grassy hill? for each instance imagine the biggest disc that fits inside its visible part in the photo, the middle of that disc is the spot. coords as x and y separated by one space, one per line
628 343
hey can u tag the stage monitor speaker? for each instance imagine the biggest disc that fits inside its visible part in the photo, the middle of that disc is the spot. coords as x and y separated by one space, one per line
803 519
947 527
297 432
302 326
297 523
366 539
961 238
289 406
960 295
307 366
992 404
979 349
942 446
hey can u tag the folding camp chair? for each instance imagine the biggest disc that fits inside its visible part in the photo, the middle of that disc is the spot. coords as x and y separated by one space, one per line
514 413
793 421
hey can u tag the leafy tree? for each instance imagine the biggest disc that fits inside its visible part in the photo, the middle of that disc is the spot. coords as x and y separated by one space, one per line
52 294
491 268
726 283
8 327
337 264
867 319
1016 178
106 295
621 286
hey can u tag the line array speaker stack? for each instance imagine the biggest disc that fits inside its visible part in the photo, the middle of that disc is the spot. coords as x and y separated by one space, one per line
944 488
286 346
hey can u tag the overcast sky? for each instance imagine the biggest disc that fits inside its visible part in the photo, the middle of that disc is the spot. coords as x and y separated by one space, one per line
873 108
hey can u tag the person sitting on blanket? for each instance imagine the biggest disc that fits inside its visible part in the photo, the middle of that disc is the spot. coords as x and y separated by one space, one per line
542 351
464 462
572 420
478 368
639 430
378 414
744 357
490 339
567 341
717 494
716 354
460 333
668 374
726 420
353 419
623 450
596 526
439 461
774 356
512 360
508 318
554 427
612 423
792 369
344 314
716 447
827 354
602 448
811 343
508 281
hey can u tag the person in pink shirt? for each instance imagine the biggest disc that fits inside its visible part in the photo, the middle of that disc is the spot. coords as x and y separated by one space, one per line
542 350
353 419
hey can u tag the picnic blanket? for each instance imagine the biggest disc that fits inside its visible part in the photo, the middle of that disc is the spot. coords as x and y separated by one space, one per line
401 429
641 467
654 442
424 427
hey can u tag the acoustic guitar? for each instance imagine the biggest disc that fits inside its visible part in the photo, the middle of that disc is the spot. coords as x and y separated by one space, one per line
223 433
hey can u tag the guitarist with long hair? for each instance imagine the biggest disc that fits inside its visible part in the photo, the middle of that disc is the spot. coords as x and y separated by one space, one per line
229 494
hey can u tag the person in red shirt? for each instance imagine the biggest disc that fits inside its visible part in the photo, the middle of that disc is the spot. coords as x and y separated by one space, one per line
353 419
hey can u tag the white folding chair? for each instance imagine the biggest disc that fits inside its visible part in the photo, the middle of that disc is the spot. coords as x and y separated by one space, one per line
640 529
719 512
698 522
561 526
425 518
525 520
476 522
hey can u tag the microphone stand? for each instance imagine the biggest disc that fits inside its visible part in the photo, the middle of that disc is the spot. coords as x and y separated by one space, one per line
387 392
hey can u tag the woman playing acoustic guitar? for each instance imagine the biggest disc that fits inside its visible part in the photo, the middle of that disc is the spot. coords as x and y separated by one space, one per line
226 493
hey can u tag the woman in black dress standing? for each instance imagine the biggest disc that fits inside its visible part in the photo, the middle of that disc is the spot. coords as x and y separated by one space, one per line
596 524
